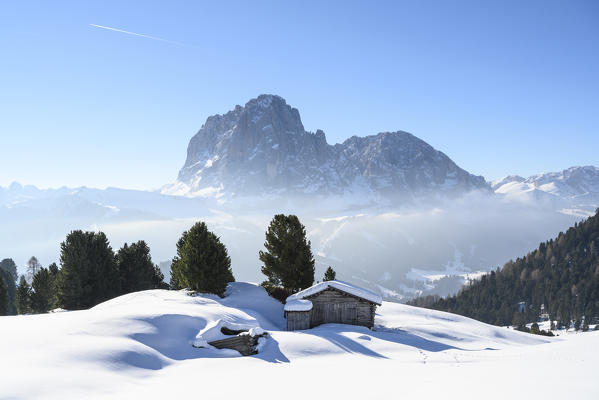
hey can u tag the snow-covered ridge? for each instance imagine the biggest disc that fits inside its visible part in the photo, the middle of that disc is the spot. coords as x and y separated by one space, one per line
572 188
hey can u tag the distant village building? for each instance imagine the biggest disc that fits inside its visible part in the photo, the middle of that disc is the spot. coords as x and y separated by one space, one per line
544 316
331 302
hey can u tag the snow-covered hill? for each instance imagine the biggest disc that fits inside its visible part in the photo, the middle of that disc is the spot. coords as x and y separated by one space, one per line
262 149
573 190
139 346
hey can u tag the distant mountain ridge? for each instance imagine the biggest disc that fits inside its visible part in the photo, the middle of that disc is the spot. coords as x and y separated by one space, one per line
572 187
263 148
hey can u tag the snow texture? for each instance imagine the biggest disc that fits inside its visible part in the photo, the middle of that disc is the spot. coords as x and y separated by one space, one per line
138 346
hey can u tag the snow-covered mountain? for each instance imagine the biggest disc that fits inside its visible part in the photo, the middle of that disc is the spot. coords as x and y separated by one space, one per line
575 188
262 148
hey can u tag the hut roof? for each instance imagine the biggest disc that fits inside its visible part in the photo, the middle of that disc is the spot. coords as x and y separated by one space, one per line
297 302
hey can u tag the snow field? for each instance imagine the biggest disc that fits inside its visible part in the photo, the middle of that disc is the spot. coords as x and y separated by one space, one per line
139 346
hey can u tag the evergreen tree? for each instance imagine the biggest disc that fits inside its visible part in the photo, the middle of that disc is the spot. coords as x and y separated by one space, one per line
329 274
23 296
11 289
89 273
3 297
158 279
54 278
202 262
288 260
136 270
41 291
9 266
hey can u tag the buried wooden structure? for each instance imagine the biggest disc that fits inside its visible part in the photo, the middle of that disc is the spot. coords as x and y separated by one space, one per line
243 343
331 302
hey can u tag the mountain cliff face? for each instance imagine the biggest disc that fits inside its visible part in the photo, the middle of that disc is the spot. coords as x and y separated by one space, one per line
263 148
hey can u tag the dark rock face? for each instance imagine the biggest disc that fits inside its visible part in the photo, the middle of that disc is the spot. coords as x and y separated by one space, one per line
263 148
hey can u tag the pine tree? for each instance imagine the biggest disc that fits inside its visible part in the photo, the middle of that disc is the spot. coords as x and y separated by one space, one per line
288 260
23 296
54 279
41 291
7 276
202 262
9 266
158 279
89 273
3 297
136 269
329 274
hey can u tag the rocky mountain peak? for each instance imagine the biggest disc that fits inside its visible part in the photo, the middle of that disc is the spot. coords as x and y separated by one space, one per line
263 148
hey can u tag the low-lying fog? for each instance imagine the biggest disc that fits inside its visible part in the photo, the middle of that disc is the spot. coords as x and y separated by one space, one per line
400 251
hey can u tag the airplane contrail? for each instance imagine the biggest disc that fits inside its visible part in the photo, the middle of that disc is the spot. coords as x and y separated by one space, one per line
135 34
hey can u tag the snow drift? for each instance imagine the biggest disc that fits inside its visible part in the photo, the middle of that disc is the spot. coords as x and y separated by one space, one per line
140 346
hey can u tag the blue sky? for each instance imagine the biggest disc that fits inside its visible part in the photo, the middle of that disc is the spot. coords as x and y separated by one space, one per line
508 87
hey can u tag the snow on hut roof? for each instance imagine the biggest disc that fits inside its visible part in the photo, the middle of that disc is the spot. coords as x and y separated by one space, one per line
293 301
298 305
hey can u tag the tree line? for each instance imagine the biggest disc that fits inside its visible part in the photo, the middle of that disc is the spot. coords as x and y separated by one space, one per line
560 278
90 272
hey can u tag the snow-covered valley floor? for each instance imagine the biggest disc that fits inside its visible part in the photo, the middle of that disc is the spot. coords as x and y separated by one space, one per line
139 346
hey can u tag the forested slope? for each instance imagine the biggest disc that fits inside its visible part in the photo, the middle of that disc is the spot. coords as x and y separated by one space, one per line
562 274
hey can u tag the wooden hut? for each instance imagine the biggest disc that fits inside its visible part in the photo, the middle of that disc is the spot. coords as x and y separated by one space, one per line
331 302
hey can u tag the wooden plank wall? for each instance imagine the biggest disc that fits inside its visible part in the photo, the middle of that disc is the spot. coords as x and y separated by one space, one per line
298 320
245 344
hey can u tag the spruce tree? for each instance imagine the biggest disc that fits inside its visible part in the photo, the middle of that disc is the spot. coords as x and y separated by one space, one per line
11 288
54 277
158 279
23 296
89 273
9 266
288 260
3 297
329 274
136 269
202 262
41 291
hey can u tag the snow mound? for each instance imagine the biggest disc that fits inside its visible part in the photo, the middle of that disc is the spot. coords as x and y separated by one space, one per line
138 346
